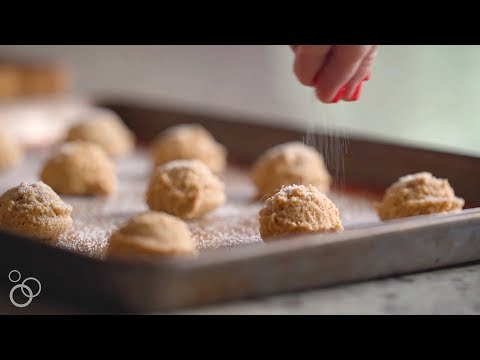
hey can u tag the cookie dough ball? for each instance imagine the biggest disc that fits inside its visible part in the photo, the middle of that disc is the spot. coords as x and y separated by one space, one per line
189 141
10 152
418 194
80 168
185 188
288 164
298 209
34 210
104 128
152 233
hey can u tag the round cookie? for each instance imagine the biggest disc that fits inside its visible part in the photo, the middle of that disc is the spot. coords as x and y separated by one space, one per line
152 233
288 164
298 209
80 168
104 128
10 152
34 210
189 141
185 188
418 194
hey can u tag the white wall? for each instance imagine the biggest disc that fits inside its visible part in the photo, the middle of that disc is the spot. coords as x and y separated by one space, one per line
417 93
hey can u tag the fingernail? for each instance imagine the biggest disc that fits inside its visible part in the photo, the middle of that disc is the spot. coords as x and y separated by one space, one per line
356 94
367 77
339 95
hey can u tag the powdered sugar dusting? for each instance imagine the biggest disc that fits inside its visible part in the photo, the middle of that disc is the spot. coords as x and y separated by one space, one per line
232 225
179 164
309 189
355 209
411 177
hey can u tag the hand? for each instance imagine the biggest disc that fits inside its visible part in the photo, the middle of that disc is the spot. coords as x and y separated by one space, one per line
336 71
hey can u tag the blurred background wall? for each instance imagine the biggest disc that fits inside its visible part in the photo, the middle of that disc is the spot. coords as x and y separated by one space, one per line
421 94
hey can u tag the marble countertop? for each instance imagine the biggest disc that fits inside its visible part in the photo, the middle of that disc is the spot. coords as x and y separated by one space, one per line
446 291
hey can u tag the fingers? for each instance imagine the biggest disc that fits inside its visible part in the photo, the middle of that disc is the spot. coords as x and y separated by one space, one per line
336 71
362 74
341 66
309 60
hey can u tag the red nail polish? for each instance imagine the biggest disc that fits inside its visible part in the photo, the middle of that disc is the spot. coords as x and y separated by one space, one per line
367 78
356 94
339 95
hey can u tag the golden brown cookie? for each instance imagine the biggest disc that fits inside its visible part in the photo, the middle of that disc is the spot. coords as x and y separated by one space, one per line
189 141
152 233
80 168
418 194
40 79
104 128
34 210
10 152
185 188
298 209
10 80
288 164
